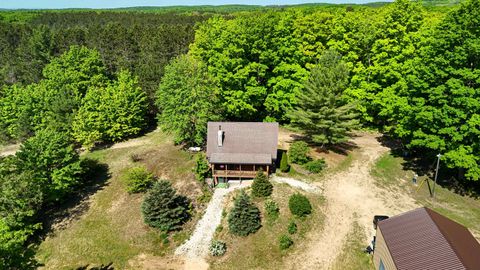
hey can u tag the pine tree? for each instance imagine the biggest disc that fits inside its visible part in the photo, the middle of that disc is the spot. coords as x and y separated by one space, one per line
321 111
244 218
261 187
164 209
284 162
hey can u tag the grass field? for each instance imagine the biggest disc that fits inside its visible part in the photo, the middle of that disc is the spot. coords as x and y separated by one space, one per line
261 250
389 172
111 229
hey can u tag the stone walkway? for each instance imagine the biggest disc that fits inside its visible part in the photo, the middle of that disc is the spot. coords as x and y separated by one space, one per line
296 184
198 244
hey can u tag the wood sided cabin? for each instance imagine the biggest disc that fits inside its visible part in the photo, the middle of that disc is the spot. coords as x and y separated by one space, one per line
237 150
424 239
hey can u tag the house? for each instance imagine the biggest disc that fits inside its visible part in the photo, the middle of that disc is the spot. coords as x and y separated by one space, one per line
237 150
424 239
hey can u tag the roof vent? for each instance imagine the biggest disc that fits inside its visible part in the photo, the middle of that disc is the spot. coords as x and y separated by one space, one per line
220 136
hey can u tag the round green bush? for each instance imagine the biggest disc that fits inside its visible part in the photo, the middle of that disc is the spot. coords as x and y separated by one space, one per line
315 166
272 210
299 205
138 179
292 227
298 152
285 242
218 248
261 187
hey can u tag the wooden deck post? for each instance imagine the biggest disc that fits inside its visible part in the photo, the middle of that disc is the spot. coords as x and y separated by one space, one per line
268 170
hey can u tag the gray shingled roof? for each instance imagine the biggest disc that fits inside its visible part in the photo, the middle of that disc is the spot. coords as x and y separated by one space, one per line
424 239
244 142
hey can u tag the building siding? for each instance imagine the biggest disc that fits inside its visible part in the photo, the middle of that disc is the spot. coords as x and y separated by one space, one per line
382 252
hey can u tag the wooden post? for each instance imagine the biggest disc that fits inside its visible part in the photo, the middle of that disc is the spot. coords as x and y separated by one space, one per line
226 172
268 170
240 173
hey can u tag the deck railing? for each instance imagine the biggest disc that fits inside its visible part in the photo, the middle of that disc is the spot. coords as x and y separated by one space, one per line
229 173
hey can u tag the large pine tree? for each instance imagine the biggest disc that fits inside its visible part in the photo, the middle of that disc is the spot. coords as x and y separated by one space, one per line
244 218
164 209
321 112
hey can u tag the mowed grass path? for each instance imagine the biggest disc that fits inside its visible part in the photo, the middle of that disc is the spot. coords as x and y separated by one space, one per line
111 230
390 173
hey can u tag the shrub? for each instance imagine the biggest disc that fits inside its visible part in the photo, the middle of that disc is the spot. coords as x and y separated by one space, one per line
261 187
164 209
138 179
292 227
272 210
298 152
135 158
284 162
201 169
299 205
285 242
219 228
315 166
218 248
244 218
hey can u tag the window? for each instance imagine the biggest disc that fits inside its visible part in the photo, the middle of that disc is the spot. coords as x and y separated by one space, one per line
381 267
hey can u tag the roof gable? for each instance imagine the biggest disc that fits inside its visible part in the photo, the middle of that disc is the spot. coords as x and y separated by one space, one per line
248 141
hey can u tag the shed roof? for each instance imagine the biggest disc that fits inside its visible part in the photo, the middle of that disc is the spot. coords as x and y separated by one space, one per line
424 239
243 142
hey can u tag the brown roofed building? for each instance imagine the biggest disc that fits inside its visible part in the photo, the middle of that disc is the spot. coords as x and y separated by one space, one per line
424 239
236 150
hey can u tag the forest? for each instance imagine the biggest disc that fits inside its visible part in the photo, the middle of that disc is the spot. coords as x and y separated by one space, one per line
74 80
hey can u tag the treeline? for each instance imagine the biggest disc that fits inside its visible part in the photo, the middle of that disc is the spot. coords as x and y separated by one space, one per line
142 43
411 72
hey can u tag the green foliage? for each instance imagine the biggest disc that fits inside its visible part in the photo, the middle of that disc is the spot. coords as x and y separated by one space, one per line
244 218
321 111
299 205
298 152
256 60
187 100
112 112
138 179
292 227
434 108
315 166
164 209
218 248
261 187
53 162
272 210
285 242
284 167
202 170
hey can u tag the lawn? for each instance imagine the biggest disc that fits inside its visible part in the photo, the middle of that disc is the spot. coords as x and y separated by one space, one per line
111 230
389 172
261 249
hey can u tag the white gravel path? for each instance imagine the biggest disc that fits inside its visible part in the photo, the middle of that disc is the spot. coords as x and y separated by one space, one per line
198 244
296 183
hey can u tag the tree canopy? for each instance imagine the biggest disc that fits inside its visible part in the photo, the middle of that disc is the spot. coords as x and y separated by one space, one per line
187 100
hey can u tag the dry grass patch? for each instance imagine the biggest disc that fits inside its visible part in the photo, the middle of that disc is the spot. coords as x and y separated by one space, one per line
112 229
261 250
353 256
